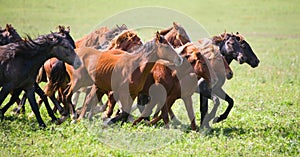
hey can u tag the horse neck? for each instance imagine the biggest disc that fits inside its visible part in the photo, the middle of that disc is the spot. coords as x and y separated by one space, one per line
228 58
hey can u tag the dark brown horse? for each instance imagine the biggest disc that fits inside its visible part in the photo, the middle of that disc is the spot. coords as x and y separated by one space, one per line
248 57
9 35
124 73
32 53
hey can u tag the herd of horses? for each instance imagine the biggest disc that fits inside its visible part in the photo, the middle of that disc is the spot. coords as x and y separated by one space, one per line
115 62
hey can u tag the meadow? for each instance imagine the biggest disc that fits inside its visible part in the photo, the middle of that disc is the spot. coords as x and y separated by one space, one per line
265 120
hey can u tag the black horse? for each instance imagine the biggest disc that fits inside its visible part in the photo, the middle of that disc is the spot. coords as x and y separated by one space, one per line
21 61
249 57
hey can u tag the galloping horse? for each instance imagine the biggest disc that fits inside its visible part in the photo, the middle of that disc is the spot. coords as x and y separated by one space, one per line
248 57
179 82
124 73
32 53
125 40
10 35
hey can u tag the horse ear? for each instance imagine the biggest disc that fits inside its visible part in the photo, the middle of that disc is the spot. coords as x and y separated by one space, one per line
68 29
175 25
157 36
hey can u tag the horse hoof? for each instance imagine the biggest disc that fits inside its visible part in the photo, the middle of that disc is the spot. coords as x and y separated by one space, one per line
1 114
176 121
74 121
216 120
42 125
108 122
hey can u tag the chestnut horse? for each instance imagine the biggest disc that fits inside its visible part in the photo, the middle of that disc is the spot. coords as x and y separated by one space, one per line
32 53
126 40
124 73
180 82
54 71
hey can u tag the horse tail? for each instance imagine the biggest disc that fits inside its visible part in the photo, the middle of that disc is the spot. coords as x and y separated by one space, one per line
42 76
58 75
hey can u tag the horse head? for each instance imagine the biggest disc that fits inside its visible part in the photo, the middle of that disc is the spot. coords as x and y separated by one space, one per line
63 49
166 51
230 47
176 35
252 59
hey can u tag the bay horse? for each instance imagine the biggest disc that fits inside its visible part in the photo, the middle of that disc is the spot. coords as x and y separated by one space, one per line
32 53
179 82
124 73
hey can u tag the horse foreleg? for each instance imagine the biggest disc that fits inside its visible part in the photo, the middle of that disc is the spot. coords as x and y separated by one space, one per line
111 102
21 105
4 92
190 110
91 94
31 97
228 109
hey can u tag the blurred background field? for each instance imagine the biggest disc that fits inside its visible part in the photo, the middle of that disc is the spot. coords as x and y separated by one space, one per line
265 120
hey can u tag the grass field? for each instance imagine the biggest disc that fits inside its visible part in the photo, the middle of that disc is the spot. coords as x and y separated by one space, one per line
265 120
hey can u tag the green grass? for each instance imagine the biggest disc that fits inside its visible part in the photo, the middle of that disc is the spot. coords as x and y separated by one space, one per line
265 120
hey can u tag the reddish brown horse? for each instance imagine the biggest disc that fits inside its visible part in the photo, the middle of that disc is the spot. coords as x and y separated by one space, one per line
54 71
125 73
178 82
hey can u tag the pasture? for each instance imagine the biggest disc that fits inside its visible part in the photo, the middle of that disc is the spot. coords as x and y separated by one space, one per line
265 119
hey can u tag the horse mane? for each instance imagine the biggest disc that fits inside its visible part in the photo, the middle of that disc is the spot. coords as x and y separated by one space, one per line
165 31
146 49
209 49
125 34
30 47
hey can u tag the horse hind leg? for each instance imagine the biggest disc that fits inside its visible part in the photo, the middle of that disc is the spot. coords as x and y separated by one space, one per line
31 97
12 100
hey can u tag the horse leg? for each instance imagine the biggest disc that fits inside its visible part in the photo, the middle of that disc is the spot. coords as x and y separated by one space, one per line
12 100
31 97
228 109
21 106
91 93
111 102
42 95
4 92
188 102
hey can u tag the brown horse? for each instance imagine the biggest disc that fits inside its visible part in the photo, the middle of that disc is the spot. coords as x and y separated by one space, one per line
32 53
178 82
125 73
57 77
125 40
